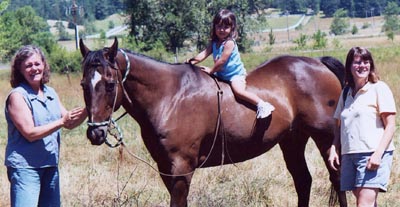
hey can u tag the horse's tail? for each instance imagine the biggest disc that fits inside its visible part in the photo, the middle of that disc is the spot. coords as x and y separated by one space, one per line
335 66
338 69
333 197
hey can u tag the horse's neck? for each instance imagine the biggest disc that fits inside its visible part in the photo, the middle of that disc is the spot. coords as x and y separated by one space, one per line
151 72
151 80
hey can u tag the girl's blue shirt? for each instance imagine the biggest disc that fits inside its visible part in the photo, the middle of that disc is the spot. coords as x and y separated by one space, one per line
233 66
20 153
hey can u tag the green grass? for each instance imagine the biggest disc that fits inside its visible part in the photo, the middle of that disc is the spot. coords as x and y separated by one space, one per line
117 19
96 176
283 21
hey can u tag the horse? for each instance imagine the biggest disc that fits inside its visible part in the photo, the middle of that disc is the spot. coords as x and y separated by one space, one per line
189 119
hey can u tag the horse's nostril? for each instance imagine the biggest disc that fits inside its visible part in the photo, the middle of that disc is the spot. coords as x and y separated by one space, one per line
101 133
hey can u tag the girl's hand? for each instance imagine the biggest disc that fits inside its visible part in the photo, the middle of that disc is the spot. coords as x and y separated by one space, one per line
191 61
333 158
206 69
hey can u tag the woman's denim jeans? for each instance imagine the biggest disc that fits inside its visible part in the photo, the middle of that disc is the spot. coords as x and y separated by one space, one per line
34 187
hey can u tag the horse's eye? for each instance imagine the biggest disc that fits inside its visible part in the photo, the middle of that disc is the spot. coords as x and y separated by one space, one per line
110 86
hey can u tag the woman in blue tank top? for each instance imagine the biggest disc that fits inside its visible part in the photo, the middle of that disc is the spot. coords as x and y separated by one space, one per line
227 63
34 117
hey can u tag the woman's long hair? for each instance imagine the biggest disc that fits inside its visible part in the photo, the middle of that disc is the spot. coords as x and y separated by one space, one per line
365 55
20 56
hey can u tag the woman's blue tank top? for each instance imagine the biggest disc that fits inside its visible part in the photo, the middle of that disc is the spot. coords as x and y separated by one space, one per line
20 153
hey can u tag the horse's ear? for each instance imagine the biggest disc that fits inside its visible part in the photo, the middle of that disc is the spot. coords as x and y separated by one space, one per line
113 50
83 48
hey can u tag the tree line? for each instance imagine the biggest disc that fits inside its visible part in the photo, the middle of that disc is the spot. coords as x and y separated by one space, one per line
172 22
99 9
61 9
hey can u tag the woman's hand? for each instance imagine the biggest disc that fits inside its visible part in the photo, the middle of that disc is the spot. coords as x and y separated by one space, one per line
74 117
333 158
374 161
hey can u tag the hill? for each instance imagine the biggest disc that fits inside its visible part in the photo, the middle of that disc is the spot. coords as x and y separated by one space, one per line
117 20
369 34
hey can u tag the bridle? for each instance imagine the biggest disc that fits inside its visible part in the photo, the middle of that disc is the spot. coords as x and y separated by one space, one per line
111 123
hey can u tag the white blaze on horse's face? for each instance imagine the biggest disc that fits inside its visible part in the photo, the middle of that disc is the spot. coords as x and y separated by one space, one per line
96 78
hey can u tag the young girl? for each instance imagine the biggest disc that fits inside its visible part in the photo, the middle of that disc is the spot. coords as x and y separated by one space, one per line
227 63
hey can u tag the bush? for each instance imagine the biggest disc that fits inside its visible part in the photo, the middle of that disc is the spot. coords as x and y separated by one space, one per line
271 37
365 25
320 40
71 25
301 41
354 30
62 61
340 22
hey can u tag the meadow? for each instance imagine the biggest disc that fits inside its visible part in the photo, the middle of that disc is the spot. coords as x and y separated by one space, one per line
100 176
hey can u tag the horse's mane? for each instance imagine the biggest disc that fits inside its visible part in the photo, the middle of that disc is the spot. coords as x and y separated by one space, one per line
145 56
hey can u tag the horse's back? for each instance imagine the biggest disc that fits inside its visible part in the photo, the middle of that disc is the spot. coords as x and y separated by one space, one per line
304 86
297 86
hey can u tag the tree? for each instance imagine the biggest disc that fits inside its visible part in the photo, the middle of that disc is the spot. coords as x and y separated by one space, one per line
174 21
301 41
354 30
3 5
392 22
179 23
58 9
271 38
144 21
315 5
62 32
340 22
329 7
23 27
320 40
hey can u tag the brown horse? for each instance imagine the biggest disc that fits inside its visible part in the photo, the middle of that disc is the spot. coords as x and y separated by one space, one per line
179 109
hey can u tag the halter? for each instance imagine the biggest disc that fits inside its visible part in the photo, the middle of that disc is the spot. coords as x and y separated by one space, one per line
111 123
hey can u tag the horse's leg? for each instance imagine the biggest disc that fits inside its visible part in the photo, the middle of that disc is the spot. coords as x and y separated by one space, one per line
293 146
323 143
178 186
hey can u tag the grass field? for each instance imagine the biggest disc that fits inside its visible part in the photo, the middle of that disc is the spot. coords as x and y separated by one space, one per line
97 176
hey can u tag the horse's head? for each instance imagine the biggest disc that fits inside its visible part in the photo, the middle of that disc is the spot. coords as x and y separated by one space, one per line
101 89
